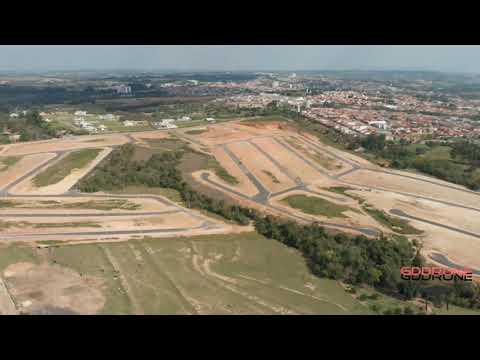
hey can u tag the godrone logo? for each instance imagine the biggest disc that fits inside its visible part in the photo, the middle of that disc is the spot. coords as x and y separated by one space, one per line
432 272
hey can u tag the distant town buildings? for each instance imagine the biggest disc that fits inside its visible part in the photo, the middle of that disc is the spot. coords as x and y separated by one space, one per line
165 124
123 89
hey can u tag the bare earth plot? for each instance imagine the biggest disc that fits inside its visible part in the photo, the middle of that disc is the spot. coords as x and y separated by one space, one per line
244 185
261 167
292 164
408 185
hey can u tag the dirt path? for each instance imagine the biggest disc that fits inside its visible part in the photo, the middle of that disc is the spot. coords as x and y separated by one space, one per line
116 266
147 252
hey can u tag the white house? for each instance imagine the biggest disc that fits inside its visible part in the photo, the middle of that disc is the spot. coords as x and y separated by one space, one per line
80 113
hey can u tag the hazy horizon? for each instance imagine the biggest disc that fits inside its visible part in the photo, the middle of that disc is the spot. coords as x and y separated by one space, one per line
178 58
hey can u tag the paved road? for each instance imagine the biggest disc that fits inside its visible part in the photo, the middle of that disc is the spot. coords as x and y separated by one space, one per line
263 193
443 260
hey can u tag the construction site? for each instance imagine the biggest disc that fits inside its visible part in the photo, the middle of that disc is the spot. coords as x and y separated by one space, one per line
277 169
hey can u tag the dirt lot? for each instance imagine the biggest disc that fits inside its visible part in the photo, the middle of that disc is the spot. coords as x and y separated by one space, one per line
259 164
47 289
290 161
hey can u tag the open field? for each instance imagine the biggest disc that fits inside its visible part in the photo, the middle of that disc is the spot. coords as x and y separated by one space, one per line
222 274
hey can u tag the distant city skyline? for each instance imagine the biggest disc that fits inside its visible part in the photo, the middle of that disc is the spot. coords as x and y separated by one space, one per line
37 58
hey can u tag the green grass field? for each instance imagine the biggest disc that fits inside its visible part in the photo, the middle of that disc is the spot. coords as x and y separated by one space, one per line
58 171
216 274
15 253
316 206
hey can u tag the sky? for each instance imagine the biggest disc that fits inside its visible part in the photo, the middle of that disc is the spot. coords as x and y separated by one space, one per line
240 57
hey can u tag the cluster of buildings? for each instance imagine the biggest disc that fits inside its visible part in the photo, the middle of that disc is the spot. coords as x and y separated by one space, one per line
82 123
360 113
122 89
170 123
262 100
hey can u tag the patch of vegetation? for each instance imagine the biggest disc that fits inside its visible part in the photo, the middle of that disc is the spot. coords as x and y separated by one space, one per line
13 224
170 144
50 242
57 172
196 131
7 203
273 177
26 224
395 224
170 194
105 205
8 161
342 190
221 172
15 253
31 126
67 224
316 206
